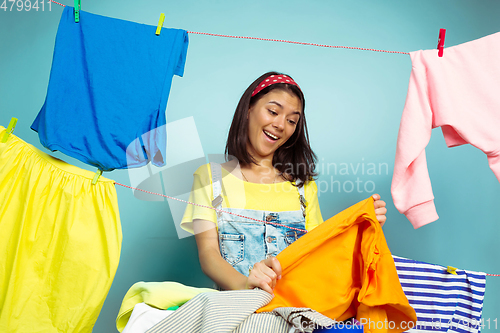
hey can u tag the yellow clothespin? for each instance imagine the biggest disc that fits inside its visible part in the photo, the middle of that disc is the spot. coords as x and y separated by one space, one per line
96 176
160 24
9 130
452 270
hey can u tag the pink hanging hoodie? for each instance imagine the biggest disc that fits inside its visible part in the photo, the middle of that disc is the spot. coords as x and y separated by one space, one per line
459 92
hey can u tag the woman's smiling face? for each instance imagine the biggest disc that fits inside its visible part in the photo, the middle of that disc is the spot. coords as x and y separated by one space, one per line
271 122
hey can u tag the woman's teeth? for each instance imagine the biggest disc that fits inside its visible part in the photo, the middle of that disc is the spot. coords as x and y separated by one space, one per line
274 137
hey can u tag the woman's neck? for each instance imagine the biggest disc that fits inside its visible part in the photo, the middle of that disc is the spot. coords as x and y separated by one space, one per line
263 163
263 172
261 166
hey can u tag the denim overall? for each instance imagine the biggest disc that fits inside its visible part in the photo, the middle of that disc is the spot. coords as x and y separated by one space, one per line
244 242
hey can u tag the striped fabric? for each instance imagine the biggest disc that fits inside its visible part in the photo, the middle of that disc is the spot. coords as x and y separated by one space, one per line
216 312
233 311
265 322
443 302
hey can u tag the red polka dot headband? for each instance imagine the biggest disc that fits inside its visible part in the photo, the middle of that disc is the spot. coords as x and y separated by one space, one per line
272 80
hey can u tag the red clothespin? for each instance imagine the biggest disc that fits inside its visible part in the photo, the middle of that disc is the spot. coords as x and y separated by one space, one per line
440 47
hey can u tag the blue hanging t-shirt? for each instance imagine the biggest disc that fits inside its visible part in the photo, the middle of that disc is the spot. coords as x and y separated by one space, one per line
108 90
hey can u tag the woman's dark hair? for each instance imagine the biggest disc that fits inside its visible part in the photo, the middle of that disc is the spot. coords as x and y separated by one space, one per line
295 158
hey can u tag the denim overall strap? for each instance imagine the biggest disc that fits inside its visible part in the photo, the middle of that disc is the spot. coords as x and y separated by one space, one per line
216 171
302 197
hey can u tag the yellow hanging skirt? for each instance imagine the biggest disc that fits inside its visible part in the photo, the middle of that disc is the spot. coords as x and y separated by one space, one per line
60 240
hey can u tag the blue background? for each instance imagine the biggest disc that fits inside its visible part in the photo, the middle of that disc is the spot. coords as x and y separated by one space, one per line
354 101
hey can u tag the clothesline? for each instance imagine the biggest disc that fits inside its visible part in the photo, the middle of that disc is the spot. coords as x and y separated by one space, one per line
220 210
283 41
216 209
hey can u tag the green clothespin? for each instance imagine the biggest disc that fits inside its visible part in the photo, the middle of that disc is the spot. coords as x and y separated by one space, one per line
78 5
160 24
452 270
96 177
9 130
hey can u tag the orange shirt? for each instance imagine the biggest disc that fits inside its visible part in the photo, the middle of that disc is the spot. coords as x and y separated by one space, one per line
343 268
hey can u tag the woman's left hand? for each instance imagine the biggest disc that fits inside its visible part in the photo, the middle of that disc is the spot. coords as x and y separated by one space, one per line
380 209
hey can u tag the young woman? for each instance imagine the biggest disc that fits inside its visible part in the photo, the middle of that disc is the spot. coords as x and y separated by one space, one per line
269 178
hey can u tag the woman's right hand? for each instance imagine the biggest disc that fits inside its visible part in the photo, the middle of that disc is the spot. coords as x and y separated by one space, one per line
264 275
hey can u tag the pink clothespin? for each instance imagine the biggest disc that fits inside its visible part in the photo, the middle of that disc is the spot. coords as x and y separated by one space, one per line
440 47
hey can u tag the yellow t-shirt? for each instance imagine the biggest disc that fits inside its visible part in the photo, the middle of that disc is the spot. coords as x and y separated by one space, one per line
278 197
